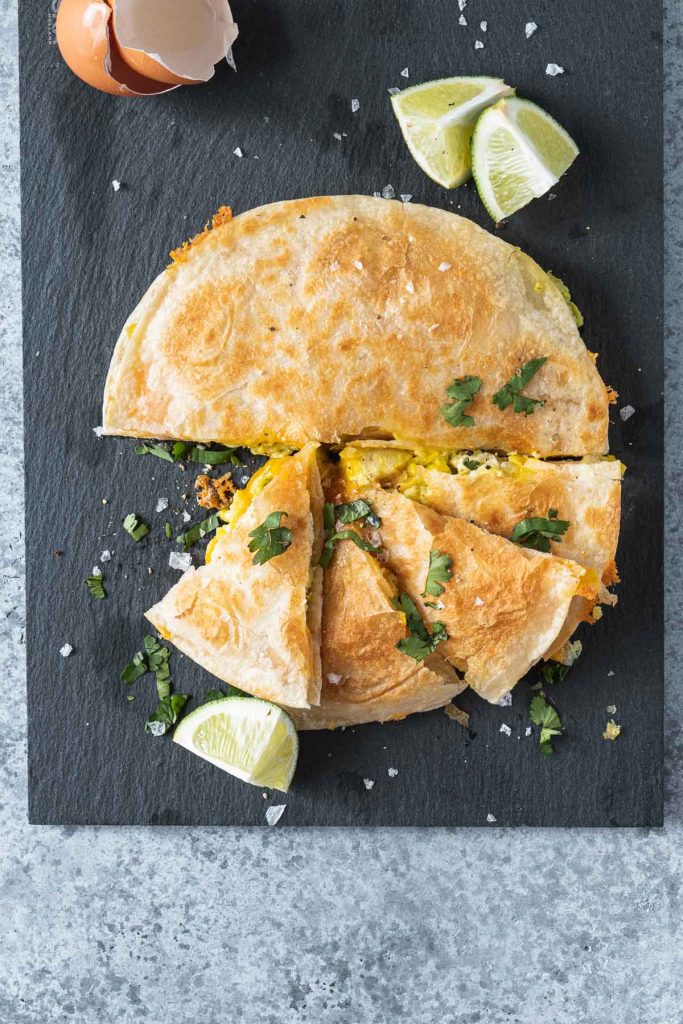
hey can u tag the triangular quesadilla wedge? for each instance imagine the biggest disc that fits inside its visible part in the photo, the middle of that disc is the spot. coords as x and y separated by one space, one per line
342 317
498 492
366 678
501 605
257 626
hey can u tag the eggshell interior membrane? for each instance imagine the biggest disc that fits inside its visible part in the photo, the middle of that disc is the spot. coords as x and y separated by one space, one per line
83 31
174 41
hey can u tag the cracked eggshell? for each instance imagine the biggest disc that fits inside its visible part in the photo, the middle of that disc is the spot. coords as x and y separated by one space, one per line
174 41
86 43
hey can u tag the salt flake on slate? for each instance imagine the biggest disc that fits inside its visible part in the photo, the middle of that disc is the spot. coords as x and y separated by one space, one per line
355 106
105 556
98 431
554 69
483 25
162 503
116 185
505 701
490 818
406 197
462 4
66 650
388 192
506 729
368 783
274 813
238 152
462 20
527 731
478 45
337 136
394 91
96 571
183 562
626 412
186 517
393 772
530 28
404 73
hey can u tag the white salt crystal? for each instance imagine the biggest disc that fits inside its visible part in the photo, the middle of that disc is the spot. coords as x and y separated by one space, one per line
490 818
162 503
527 731
406 197
368 783
337 136
105 556
554 69
462 20
404 73
444 266
66 650
410 287
388 192
98 431
505 701
506 729
238 152
116 185
183 562
530 28
355 106
274 813
358 265
393 772
478 45
186 517
626 412
483 25
394 91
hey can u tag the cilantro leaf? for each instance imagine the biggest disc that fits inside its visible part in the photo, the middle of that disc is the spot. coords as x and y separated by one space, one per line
471 464
168 529
198 531
544 715
270 538
440 571
166 714
136 668
189 452
154 449
210 457
554 672
95 585
420 642
134 527
511 393
231 691
462 392
537 532
158 662
353 512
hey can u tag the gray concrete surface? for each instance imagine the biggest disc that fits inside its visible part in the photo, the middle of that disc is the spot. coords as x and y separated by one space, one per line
206 926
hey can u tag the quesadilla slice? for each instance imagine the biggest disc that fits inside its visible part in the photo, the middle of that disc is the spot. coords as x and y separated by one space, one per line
365 677
342 317
251 615
497 493
496 607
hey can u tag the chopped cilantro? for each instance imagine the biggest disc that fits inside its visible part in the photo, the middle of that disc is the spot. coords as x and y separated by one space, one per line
134 527
537 532
354 512
158 662
198 531
212 458
166 714
471 464
168 530
154 449
554 672
511 393
136 668
462 392
439 572
270 538
545 716
420 642
231 691
95 585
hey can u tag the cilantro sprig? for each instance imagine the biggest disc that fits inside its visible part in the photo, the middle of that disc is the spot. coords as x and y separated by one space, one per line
461 392
356 511
440 571
95 585
420 642
198 531
544 715
270 539
537 532
155 657
166 714
511 392
183 451
135 527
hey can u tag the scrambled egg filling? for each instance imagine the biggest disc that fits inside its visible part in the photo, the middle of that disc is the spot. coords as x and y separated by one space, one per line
243 499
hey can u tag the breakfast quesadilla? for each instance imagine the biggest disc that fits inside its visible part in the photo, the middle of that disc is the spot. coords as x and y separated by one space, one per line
494 608
498 493
365 676
251 616
342 317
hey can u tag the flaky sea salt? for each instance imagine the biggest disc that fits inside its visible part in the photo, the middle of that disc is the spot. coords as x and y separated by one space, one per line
505 701
66 650
490 818
274 813
388 192
462 20
116 184
238 152
105 556
626 412
394 91
478 602
483 25
333 678
462 4
410 287
406 197
554 69
530 28
506 729
186 517
444 266
337 136
368 783
393 772
96 571
527 731
404 73
162 503
478 45
355 106
98 431
358 265
183 562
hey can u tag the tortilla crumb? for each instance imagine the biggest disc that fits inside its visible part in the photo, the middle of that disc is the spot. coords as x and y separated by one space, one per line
457 715
612 394
612 730
216 493
224 215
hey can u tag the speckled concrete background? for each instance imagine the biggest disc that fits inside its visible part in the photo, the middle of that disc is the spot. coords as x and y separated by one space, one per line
207 926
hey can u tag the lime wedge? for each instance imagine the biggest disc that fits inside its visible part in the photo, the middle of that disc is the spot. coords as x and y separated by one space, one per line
518 153
437 120
250 738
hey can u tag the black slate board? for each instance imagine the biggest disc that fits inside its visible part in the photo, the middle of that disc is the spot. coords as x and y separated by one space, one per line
89 253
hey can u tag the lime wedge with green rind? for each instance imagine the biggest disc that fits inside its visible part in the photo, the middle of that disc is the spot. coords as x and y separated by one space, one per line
437 120
519 152
250 738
